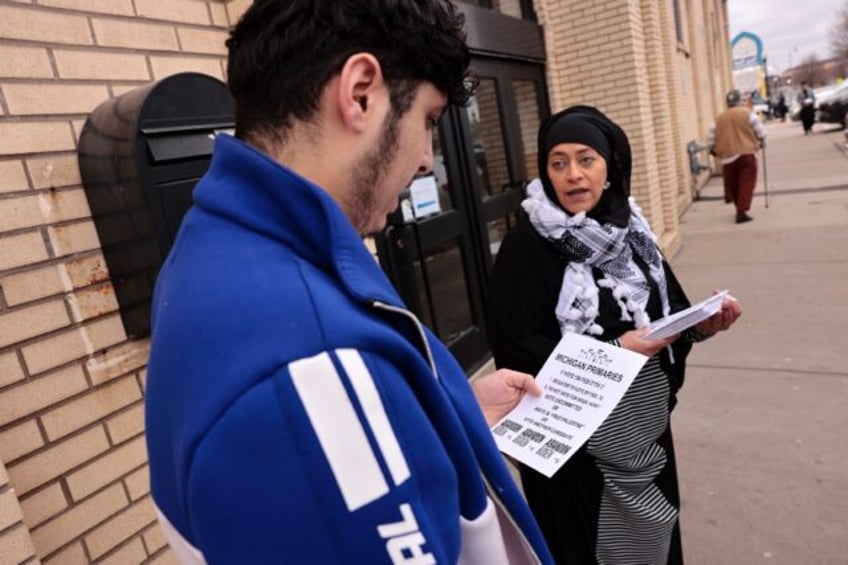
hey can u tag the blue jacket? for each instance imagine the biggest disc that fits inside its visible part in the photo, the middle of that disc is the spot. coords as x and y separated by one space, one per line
296 412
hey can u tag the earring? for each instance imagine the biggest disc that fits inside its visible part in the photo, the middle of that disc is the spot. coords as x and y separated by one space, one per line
606 185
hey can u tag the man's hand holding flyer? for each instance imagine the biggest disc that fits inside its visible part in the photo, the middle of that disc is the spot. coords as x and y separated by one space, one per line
582 381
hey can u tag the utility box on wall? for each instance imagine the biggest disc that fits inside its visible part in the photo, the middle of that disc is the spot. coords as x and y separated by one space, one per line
140 156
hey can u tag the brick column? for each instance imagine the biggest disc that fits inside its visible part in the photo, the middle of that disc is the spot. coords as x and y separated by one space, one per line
660 44
597 56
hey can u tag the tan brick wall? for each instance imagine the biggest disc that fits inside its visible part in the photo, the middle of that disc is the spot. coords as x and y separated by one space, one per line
679 193
235 8
74 484
602 52
490 134
527 102
623 57
659 47
705 60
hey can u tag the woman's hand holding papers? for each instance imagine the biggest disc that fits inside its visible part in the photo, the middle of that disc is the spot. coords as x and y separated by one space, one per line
721 320
635 340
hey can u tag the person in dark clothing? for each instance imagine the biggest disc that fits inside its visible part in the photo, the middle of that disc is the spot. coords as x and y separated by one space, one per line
584 260
781 108
807 100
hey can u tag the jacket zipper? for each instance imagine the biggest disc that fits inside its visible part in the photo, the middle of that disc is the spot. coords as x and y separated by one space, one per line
418 326
492 492
505 511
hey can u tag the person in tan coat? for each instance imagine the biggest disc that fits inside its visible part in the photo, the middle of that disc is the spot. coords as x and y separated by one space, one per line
736 137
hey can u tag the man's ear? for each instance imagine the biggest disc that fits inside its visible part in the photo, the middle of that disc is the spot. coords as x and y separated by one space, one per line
360 86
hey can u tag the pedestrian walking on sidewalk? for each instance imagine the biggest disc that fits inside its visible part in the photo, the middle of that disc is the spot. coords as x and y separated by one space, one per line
296 411
584 260
807 100
735 139
781 108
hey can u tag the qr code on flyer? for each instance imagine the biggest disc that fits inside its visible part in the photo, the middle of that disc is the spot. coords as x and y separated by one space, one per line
557 446
545 452
533 435
521 440
505 426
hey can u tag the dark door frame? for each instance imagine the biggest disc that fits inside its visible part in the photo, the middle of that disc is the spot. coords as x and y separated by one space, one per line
491 207
504 48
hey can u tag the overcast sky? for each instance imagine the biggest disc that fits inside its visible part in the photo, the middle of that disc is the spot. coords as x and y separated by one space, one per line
787 28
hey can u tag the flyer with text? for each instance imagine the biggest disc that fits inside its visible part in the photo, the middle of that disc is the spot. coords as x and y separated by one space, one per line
582 381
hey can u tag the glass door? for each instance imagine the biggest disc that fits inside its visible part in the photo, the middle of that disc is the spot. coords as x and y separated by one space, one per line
439 246
428 250
503 123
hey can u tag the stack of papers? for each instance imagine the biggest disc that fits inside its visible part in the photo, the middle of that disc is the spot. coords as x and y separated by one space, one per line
679 321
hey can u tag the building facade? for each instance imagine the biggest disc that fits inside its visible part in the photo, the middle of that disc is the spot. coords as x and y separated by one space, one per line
659 69
73 474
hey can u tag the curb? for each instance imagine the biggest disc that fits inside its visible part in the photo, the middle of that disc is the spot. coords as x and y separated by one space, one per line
842 146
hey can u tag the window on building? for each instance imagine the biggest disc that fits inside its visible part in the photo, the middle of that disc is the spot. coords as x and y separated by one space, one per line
521 9
678 22
714 19
529 121
481 3
487 135
509 7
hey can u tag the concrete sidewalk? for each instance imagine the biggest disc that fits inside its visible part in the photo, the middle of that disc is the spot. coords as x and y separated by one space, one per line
762 423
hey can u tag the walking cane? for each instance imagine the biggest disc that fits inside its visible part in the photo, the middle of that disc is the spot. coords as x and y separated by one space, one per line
765 173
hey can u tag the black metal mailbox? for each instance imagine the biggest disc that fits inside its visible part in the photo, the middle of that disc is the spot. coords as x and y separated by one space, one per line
140 156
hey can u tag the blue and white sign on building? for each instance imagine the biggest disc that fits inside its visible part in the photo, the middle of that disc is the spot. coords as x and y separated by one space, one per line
746 51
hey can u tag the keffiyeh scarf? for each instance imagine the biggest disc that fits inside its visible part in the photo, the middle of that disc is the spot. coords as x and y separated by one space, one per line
585 243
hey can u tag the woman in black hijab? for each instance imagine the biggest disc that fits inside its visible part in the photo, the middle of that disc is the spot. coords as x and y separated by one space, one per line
584 260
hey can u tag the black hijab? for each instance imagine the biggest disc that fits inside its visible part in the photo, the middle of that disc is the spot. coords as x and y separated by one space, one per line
588 126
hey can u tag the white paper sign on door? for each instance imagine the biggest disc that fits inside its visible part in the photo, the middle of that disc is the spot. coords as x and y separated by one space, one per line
582 381
425 196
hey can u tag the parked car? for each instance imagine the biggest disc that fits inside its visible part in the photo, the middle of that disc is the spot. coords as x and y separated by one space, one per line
760 106
833 108
822 93
763 108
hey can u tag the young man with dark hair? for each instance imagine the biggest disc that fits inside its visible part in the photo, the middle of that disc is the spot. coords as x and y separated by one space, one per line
296 411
